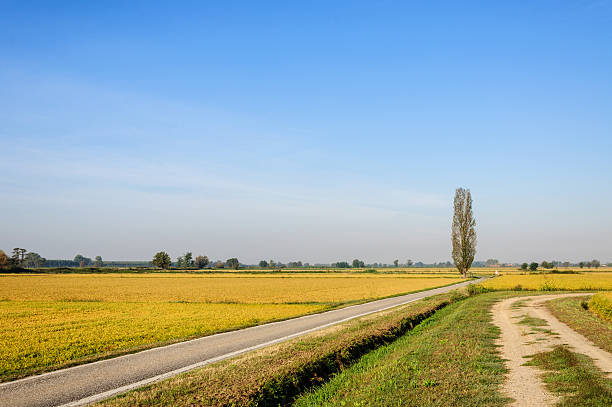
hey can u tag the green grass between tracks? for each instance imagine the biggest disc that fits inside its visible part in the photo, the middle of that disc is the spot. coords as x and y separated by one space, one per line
574 378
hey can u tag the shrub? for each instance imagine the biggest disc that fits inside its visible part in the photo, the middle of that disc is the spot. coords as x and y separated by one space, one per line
601 304
474 289
547 285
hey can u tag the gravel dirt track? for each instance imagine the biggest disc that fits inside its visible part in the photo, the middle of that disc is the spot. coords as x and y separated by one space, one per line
520 340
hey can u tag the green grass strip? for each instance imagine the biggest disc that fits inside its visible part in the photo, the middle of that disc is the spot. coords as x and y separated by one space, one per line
449 360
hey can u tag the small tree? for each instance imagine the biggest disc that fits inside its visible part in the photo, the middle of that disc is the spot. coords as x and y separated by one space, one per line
524 266
408 263
581 264
162 260
201 262
463 231
4 260
533 266
491 262
396 262
595 263
98 261
188 259
263 264
185 261
82 260
341 265
233 263
356 263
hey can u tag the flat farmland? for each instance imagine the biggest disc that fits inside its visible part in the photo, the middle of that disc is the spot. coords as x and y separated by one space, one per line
49 321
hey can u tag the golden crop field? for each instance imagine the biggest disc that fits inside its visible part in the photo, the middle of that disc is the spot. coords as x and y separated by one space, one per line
550 282
215 288
50 320
601 304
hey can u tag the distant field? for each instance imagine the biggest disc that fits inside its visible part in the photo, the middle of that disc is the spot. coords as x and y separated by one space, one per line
330 289
53 320
550 282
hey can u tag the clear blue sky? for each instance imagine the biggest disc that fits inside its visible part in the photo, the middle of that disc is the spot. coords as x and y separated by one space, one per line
317 131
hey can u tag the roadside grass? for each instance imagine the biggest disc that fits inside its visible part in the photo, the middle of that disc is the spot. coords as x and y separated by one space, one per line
276 375
449 360
574 377
571 312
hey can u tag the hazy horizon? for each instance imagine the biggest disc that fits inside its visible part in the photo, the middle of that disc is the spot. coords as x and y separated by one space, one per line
313 131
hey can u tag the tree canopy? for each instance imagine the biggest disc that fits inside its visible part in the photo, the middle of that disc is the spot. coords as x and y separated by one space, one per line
162 260
233 263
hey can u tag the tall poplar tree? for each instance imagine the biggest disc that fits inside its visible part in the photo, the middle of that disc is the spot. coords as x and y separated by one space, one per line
463 231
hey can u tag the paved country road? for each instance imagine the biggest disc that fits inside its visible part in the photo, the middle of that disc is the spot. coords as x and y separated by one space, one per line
84 384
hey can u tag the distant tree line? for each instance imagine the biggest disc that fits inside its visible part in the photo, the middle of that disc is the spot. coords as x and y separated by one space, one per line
552 264
186 261
21 258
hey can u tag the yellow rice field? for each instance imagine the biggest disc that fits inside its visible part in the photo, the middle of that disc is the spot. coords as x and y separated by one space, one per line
53 320
250 289
601 304
550 282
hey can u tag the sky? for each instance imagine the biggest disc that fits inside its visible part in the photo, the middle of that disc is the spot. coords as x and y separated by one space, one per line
315 131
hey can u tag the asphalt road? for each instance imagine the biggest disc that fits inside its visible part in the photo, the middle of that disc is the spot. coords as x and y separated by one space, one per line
85 384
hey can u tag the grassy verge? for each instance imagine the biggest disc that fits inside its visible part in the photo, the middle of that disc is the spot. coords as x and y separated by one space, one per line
450 360
571 312
574 377
275 375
